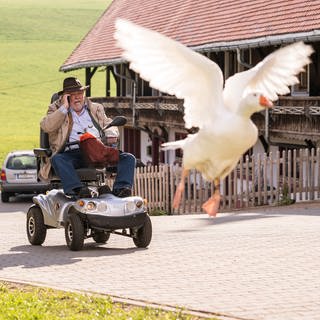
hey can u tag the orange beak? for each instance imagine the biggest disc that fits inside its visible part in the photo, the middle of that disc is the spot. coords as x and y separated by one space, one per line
265 102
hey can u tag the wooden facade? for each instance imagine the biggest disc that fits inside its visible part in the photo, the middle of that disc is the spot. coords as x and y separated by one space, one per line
293 122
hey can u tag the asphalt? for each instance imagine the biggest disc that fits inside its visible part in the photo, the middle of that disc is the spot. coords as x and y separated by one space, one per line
259 264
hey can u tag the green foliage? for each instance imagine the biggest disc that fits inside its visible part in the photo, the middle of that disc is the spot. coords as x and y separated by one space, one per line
158 212
28 303
36 37
285 198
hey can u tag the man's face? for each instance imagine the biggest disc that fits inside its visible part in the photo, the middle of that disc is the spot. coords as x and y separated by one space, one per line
76 100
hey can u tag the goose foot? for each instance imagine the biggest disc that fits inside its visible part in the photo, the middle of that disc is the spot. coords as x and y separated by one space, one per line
177 197
180 190
211 206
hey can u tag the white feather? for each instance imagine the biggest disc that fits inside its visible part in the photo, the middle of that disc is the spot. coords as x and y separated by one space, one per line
272 76
173 68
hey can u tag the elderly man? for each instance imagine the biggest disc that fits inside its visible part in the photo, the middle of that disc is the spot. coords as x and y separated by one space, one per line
67 118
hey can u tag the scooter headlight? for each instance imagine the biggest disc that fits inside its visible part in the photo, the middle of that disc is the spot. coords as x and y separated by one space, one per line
131 206
86 206
91 206
136 205
102 207
139 203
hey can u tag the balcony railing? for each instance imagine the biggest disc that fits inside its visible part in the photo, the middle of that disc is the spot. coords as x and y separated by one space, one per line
297 105
285 105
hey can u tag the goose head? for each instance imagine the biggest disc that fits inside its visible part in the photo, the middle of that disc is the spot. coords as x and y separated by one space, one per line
253 102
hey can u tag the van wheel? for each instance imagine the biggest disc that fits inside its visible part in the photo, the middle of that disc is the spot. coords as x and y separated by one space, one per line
36 229
101 237
143 234
74 232
5 196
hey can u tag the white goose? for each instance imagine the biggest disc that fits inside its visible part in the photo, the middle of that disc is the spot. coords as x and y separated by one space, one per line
222 115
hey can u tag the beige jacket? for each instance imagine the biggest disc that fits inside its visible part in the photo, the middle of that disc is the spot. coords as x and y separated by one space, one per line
59 125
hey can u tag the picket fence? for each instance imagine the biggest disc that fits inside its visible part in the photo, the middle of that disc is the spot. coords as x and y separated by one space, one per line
263 179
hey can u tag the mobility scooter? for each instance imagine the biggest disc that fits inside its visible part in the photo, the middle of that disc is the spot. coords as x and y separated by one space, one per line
95 217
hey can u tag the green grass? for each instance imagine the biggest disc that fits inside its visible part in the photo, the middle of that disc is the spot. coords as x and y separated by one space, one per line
28 303
36 37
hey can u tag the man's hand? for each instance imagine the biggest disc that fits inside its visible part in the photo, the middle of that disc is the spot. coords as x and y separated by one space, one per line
65 100
109 141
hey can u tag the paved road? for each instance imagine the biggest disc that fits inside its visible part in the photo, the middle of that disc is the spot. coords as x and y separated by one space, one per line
260 264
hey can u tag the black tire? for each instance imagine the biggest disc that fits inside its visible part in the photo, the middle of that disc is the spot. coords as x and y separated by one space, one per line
5 196
144 234
101 237
74 232
36 229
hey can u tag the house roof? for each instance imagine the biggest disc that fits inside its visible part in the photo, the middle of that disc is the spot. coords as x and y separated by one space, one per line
202 25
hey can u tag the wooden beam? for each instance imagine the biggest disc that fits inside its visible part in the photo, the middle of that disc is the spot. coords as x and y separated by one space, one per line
89 75
108 81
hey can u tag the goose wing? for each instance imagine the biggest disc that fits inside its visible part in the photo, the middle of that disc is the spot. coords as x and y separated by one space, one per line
272 76
175 69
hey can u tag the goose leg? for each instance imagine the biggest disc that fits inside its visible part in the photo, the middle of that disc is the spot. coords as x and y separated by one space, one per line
180 189
211 206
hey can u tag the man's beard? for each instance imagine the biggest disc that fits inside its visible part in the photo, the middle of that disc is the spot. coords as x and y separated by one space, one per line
77 106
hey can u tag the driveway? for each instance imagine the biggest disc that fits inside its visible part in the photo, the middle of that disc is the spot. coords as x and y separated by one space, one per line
259 264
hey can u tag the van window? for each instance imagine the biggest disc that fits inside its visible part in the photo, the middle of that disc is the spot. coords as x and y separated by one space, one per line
22 162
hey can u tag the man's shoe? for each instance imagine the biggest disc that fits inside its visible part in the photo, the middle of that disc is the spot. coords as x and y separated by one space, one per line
104 190
84 192
122 193
73 194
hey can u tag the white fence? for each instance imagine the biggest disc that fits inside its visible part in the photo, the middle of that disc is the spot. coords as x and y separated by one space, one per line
265 179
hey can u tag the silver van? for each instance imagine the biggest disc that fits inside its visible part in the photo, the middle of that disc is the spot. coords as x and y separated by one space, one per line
19 175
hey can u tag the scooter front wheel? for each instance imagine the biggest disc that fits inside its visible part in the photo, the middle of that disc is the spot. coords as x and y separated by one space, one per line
144 234
36 229
74 232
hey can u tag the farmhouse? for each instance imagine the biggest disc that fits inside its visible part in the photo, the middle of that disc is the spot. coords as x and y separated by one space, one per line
234 34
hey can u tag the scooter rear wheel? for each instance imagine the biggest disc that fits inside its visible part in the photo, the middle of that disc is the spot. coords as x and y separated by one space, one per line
74 232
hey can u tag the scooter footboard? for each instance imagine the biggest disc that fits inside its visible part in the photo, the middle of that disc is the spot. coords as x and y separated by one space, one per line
113 223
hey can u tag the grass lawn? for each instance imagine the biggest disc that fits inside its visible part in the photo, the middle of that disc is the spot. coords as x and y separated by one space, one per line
36 37
29 303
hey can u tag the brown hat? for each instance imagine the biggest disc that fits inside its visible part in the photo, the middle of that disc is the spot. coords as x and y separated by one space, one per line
71 84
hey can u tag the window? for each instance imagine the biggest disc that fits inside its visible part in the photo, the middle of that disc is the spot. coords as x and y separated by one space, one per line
303 87
179 136
23 162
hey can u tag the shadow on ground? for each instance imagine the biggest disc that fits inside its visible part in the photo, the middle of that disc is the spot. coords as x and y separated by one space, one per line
29 256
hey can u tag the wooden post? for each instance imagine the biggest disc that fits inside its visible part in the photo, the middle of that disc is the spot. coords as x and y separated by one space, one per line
318 172
259 178
241 182
307 173
294 180
271 178
247 182
89 75
312 160
278 177
289 174
253 172
301 174
234 189
265 184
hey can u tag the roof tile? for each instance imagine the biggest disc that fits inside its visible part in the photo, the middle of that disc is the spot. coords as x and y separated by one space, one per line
196 23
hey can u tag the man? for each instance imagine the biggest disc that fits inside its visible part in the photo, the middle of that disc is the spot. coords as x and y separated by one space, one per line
67 118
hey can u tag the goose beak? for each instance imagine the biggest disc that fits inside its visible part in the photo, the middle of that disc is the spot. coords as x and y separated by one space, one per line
265 102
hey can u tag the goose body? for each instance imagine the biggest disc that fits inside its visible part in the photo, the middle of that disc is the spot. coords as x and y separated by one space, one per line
221 111
214 151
